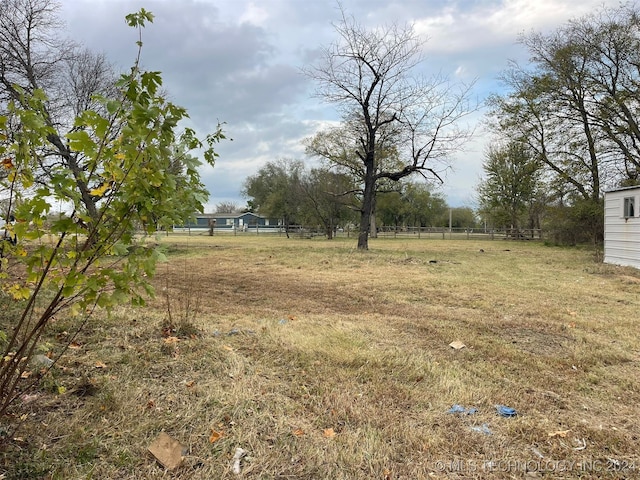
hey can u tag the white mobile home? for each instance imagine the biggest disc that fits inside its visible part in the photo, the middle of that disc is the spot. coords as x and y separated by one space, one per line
622 226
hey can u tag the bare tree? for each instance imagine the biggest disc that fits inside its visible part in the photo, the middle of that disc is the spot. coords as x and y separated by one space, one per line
369 75
226 207
32 54
87 74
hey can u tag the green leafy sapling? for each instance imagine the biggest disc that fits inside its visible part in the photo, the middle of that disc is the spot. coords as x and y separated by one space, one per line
126 167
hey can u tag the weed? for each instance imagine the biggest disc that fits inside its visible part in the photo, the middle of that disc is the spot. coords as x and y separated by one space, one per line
182 306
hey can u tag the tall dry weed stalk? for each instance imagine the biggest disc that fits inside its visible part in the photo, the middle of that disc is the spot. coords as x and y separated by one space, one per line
182 303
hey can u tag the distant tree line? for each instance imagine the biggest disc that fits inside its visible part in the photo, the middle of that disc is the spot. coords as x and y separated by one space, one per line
317 197
415 205
567 127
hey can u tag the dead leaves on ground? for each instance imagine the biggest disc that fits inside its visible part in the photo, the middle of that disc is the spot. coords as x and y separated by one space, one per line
170 346
326 433
215 435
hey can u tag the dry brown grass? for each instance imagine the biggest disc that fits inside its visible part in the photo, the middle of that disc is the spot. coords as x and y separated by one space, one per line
281 340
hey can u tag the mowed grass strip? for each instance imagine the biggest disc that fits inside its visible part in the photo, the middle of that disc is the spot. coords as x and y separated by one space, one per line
325 362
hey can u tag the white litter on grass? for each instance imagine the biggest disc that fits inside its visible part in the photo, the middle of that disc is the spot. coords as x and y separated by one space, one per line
582 444
41 361
240 452
483 429
537 452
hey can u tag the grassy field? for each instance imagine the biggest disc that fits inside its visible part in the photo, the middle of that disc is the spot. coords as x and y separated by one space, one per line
323 362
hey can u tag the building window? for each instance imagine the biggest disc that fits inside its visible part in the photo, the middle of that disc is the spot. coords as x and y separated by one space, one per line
629 207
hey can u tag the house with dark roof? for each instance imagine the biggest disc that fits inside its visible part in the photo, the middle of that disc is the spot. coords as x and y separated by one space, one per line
231 221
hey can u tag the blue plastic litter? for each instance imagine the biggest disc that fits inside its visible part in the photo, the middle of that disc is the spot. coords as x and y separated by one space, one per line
483 429
504 411
460 409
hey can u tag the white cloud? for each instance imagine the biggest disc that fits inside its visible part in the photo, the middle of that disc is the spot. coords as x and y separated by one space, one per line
472 26
254 15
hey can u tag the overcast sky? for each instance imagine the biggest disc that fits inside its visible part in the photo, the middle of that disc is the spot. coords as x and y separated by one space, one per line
239 61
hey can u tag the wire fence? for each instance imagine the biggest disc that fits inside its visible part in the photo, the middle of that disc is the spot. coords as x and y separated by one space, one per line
445 233
462 233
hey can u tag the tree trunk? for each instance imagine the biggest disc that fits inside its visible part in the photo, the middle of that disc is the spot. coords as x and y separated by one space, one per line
70 160
373 227
367 203
329 229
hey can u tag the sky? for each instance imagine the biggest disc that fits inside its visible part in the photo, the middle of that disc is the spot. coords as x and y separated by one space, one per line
240 61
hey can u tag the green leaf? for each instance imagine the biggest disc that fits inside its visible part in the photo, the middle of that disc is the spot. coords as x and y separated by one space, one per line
113 106
81 141
139 18
119 249
151 81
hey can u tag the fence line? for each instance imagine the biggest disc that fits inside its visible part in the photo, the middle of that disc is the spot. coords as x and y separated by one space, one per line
462 233
383 232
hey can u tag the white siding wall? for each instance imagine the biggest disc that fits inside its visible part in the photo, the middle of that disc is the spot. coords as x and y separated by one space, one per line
621 235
